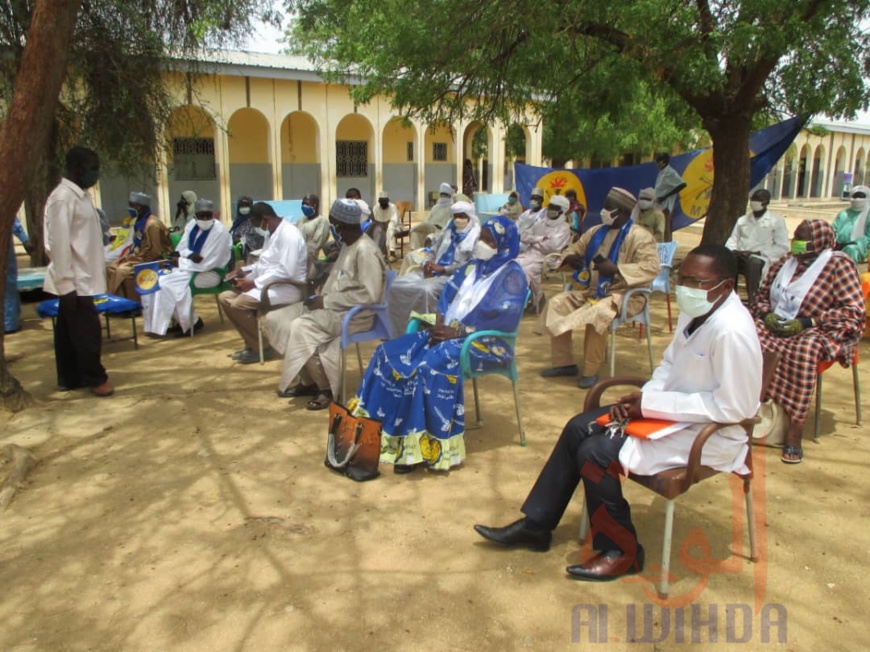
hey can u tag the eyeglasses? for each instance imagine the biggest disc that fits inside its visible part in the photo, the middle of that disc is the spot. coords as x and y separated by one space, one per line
694 282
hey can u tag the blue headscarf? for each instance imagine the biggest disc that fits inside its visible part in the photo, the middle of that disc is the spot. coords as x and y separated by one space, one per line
507 244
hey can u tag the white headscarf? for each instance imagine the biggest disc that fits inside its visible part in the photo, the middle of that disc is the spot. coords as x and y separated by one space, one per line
861 222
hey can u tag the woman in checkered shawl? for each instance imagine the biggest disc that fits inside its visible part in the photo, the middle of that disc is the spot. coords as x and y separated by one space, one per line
828 324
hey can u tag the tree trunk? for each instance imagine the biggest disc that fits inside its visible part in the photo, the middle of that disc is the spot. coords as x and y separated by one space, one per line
730 135
43 179
31 112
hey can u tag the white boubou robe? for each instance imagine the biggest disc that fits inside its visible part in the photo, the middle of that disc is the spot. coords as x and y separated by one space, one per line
174 298
712 375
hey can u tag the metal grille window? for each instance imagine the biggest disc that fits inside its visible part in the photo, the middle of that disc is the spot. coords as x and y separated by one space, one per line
352 158
193 158
439 151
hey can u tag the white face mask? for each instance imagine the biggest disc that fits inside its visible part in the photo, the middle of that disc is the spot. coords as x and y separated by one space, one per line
553 213
644 204
244 210
608 217
858 204
483 250
535 203
261 231
204 225
756 206
693 301
460 223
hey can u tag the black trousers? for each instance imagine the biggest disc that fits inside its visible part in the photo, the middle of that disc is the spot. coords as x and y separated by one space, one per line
585 453
77 343
751 268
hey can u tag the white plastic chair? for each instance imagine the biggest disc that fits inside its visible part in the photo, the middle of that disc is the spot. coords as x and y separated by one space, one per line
662 282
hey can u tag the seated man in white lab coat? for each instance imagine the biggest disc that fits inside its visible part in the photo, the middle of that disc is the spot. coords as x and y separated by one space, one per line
711 372
284 260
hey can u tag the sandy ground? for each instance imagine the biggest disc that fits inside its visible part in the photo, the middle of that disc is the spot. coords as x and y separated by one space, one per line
192 511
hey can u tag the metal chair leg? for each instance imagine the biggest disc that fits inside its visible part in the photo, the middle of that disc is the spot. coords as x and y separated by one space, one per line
476 402
649 341
750 520
856 386
666 548
359 360
584 522
612 351
191 317
259 341
670 319
219 309
519 413
343 377
817 425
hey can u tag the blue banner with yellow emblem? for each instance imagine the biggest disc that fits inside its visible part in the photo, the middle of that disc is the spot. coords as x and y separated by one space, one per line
146 276
767 146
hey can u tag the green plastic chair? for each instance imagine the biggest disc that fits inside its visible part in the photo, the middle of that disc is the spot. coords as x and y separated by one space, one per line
510 372
216 290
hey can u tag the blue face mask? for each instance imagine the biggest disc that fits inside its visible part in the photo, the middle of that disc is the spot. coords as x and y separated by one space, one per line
308 211
132 213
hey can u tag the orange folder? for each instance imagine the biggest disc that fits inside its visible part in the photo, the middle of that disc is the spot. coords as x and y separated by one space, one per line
645 428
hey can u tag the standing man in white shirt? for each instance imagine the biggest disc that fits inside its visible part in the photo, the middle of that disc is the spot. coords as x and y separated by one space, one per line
74 241
759 238
711 372
285 260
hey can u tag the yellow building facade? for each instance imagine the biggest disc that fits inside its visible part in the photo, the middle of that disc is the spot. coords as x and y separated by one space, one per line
269 127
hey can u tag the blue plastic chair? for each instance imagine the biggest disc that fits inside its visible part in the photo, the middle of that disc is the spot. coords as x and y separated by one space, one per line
381 330
662 282
510 372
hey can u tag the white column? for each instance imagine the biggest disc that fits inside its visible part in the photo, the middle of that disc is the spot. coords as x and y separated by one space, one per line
459 150
328 185
161 189
222 154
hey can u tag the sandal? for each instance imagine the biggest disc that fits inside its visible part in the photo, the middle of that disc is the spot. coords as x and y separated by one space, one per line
796 451
298 390
320 402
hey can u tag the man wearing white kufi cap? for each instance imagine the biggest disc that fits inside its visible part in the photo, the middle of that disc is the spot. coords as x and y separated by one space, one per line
536 211
309 339
150 242
542 238
425 272
437 220
385 215
205 245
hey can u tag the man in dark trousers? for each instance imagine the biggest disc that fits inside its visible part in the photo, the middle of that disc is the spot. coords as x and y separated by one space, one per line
76 274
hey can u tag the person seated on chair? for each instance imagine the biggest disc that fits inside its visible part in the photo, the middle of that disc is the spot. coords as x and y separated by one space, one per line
309 339
710 372
284 260
512 208
542 238
576 214
385 218
610 259
648 216
425 272
150 242
204 246
759 238
437 220
536 212
243 229
413 383
314 227
354 193
810 309
183 211
852 226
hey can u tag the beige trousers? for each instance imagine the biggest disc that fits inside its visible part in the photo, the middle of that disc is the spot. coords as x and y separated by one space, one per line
594 350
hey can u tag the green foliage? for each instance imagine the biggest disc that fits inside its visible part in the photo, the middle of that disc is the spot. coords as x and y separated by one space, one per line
609 77
115 97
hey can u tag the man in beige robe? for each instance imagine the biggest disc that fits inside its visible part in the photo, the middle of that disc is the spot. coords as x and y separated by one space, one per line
309 336
438 219
598 301
150 242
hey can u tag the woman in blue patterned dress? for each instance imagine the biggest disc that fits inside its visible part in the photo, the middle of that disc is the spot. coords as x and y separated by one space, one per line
413 384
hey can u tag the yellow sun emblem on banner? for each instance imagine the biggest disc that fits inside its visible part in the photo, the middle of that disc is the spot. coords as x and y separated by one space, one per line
146 279
558 182
698 175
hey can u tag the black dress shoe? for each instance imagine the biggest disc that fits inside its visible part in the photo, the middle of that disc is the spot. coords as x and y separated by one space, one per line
517 534
402 469
198 326
608 566
555 372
